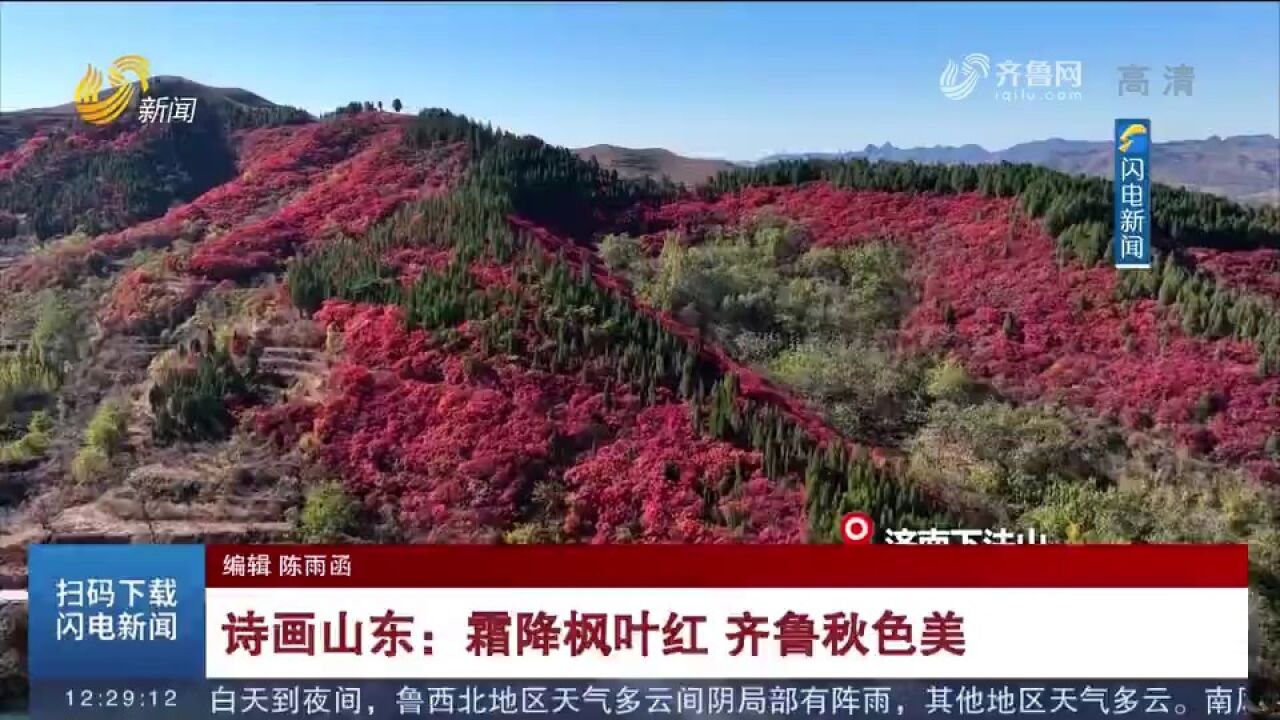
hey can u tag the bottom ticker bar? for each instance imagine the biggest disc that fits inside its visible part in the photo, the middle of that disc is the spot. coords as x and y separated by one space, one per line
910 699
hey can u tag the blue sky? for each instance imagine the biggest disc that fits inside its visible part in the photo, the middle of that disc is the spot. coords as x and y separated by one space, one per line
730 80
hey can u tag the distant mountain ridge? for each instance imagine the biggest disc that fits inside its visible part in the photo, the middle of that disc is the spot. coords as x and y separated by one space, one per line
1245 168
655 162
1242 167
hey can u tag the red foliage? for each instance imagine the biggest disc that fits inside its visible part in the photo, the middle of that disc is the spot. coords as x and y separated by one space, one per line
58 141
410 262
457 445
1255 271
1072 343
296 183
374 178
376 336
142 296
832 216
655 481
286 423
13 160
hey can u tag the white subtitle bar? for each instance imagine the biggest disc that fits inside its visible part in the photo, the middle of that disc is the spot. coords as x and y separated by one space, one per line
1067 633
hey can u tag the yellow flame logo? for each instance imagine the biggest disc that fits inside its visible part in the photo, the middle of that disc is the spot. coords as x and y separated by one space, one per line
100 112
1126 137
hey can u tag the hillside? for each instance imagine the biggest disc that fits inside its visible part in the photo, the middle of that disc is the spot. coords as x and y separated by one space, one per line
654 162
376 327
1245 168
16 126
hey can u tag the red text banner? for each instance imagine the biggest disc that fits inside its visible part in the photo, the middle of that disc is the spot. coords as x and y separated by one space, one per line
672 611
729 566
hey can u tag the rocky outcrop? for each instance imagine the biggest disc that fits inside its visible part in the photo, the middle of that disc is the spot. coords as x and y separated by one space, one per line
13 656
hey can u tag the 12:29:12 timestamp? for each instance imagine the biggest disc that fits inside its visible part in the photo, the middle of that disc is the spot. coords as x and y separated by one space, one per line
114 698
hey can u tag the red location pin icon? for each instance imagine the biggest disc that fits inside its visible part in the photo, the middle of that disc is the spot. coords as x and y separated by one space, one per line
857 528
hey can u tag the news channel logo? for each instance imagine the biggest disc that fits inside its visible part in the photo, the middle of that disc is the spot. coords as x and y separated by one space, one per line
1134 138
958 81
1058 80
97 111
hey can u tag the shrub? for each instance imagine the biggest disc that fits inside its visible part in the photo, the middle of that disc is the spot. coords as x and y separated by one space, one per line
876 276
816 318
106 431
866 390
89 464
328 514
620 252
1008 455
40 423
948 381
56 337
1087 241
33 444
193 403
22 375
165 365
533 534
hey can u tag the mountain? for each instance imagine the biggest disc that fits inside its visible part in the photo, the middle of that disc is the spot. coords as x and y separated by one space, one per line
62 174
376 327
654 162
22 123
1245 168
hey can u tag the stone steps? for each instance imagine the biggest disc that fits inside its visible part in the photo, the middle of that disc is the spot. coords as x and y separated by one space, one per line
290 366
292 363
284 350
195 468
14 343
